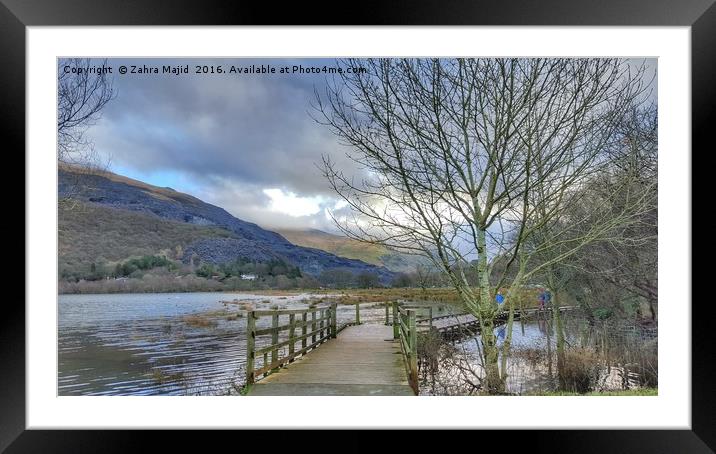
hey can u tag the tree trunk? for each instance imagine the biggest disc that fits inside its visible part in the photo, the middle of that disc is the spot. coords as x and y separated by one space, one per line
511 298
559 336
548 330
652 306
488 310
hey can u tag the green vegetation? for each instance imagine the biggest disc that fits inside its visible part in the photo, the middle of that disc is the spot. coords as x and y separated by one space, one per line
603 313
623 392
243 266
146 262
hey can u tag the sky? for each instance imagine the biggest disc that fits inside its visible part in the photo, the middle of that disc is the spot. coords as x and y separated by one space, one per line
244 142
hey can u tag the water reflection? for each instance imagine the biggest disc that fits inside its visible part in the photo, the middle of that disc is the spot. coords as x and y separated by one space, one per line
170 344
618 355
193 344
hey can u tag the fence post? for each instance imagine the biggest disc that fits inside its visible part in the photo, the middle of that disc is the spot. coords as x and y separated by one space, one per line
387 314
334 320
313 326
413 342
357 313
291 335
430 314
274 338
396 324
304 329
250 346
323 324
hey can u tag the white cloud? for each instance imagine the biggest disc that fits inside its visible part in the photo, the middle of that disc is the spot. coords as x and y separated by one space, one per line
292 205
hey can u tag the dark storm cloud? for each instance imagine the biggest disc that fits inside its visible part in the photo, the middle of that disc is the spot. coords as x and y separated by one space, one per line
232 136
252 128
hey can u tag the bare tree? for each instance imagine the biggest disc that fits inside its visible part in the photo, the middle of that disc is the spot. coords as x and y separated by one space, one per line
632 267
83 90
82 93
425 277
469 158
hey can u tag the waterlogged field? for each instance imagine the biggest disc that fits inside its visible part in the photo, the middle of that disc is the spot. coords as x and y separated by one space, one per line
164 344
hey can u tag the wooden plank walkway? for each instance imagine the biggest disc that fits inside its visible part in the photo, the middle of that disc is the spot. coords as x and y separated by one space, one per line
455 324
449 321
363 360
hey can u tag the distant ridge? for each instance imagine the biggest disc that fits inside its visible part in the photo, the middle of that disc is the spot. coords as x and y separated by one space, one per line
346 247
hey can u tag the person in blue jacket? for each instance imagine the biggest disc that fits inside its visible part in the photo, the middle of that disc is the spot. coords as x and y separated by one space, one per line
499 298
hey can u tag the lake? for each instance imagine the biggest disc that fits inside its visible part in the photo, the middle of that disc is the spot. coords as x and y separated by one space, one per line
162 344
195 344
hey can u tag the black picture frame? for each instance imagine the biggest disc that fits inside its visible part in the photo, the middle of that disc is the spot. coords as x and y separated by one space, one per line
16 15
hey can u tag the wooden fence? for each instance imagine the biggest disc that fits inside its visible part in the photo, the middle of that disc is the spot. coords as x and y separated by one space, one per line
406 331
268 349
316 325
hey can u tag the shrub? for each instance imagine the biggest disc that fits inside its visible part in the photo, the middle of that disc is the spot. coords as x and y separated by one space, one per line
205 271
580 369
603 313
429 345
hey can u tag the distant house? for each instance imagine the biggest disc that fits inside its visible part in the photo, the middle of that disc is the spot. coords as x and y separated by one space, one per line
248 277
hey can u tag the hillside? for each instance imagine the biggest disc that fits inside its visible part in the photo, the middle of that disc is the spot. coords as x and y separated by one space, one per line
350 248
90 233
107 218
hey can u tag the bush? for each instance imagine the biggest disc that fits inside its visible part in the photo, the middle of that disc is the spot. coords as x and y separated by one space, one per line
146 262
580 370
429 345
205 271
603 313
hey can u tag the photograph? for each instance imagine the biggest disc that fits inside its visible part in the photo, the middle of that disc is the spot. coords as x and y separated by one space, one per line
241 218
357 226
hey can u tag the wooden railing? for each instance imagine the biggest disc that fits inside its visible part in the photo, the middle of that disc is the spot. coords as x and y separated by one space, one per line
527 311
406 331
320 320
372 305
268 349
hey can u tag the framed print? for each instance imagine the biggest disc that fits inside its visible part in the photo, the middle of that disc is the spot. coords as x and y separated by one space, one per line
443 218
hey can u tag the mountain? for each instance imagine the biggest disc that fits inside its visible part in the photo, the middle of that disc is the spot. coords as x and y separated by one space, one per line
346 247
111 217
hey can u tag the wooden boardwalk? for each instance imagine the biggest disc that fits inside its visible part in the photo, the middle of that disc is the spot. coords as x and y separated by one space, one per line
310 354
467 324
362 360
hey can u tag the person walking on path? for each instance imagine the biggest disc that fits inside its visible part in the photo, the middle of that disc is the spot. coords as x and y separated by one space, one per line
500 299
544 299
